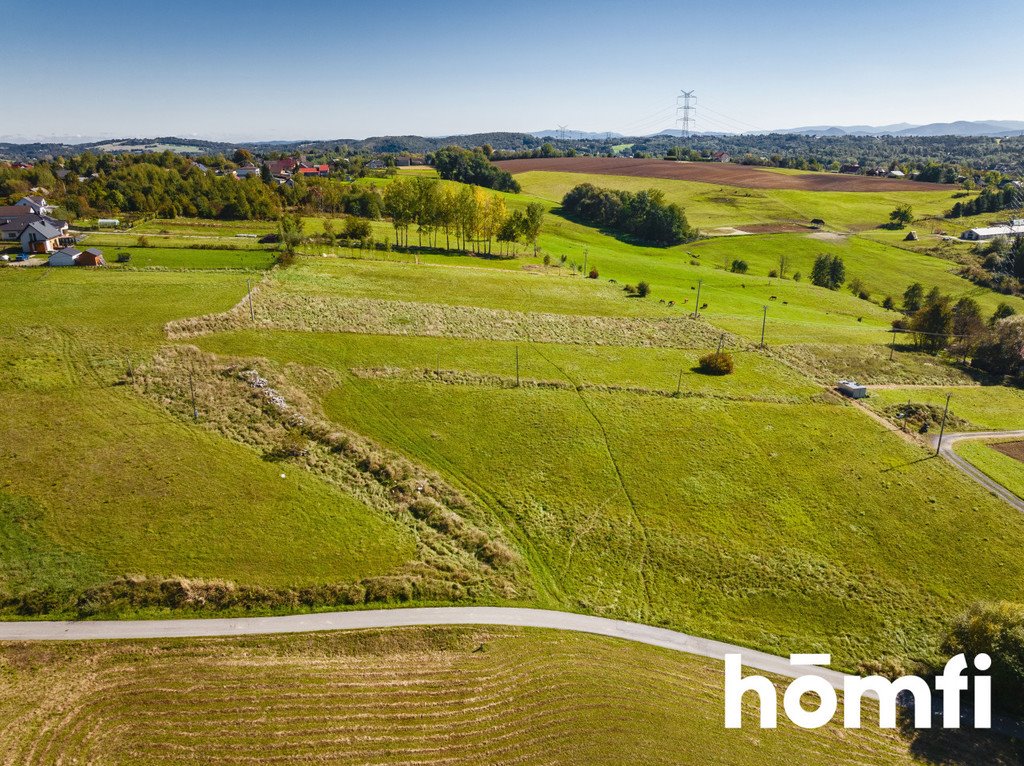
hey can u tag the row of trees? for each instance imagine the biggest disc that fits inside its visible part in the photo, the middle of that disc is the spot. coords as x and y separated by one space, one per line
991 200
470 215
644 215
937 322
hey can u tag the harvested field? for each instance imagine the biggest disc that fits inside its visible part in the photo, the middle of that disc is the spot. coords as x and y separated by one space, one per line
1012 449
745 176
420 695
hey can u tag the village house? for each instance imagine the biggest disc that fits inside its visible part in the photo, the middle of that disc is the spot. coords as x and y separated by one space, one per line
247 170
36 204
41 237
282 167
720 157
313 170
36 233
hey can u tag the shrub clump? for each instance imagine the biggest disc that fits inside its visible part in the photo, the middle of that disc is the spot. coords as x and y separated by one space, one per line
716 363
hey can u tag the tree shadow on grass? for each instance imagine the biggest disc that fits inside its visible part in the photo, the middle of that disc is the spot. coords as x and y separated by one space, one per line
963 747
909 463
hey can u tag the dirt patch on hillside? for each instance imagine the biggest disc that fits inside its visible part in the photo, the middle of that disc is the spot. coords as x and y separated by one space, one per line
774 228
745 176
1012 449
827 236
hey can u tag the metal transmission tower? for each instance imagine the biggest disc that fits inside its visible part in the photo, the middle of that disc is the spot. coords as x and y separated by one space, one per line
561 131
684 112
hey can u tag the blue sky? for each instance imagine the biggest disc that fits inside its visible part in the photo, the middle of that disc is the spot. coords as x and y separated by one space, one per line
249 70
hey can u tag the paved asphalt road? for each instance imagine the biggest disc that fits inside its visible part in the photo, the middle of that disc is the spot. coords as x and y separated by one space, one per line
998 489
393 618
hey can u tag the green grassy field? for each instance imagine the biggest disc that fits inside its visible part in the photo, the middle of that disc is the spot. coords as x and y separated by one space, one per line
987 408
656 369
750 507
751 521
461 696
1002 468
710 205
189 258
96 483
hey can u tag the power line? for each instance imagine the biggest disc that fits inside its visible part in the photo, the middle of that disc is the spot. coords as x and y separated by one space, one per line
687 112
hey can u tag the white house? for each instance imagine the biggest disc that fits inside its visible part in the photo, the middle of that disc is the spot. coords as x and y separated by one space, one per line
40 237
65 257
36 204
247 170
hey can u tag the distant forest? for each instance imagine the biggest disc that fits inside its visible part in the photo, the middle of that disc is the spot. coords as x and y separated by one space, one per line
957 154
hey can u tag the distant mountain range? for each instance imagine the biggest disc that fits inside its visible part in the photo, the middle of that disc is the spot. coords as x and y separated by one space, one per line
992 128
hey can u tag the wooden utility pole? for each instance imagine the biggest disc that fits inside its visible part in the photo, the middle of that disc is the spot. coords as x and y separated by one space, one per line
696 306
517 366
720 342
764 322
679 382
942 428
252 311
892 346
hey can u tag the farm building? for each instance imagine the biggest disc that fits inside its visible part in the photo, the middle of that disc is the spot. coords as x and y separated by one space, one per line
91 257
991 232
66 257
720 157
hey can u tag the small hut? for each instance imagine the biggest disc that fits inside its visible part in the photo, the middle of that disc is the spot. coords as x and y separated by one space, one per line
91 257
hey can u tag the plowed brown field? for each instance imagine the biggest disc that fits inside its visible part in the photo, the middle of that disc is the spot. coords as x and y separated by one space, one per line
1013 449
745 176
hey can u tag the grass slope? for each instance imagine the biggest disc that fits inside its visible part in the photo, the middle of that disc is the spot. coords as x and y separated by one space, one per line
424 695
97 483
780 526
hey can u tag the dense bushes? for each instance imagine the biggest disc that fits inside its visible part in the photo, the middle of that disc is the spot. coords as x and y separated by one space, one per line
717 363
1002 353
644 215
998 631
472 167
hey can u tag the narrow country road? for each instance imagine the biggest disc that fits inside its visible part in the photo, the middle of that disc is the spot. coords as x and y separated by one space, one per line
993 486
394 618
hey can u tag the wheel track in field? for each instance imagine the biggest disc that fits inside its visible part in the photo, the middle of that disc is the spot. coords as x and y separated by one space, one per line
644 532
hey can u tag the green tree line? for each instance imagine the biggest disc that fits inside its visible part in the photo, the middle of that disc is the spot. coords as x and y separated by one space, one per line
644 215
